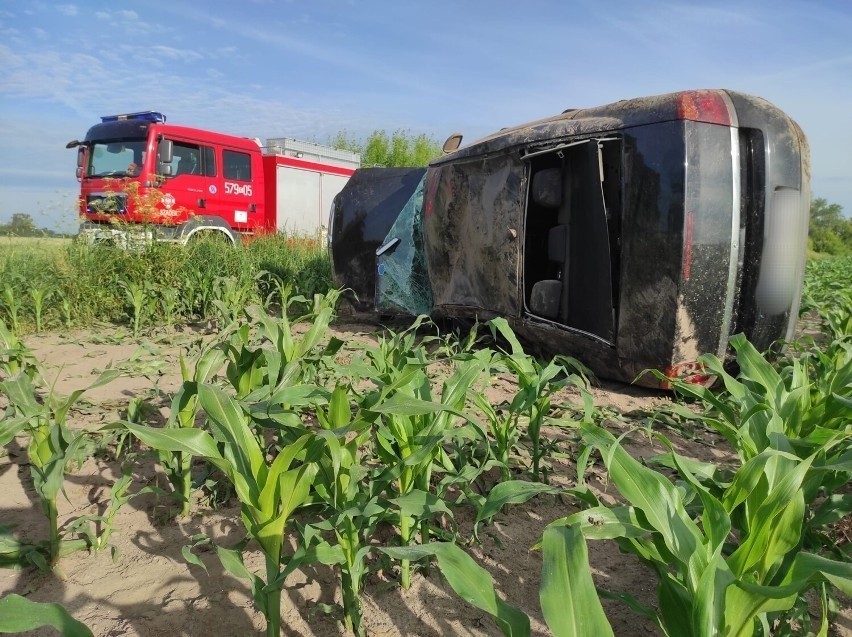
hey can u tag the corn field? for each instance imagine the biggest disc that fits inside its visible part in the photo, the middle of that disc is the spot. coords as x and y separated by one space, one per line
402 457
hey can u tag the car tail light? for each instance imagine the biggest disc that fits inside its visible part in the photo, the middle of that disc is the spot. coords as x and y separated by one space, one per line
691 372
703 106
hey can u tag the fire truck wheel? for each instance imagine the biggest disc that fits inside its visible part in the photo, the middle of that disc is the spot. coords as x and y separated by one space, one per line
210 236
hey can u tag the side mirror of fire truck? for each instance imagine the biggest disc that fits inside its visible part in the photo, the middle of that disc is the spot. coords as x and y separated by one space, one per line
81 161
165 155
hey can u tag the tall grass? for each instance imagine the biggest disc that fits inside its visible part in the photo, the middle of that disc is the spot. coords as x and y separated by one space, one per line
158 284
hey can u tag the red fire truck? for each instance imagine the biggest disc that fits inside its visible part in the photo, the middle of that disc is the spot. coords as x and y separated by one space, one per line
139 174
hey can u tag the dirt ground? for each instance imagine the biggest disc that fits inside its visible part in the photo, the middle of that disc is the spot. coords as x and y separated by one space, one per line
150 590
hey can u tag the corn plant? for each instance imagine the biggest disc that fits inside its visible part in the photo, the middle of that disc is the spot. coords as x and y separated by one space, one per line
138 410
96 530
66 307
12 303
139 297
39 295
827 291
710 581
762 401
807 403
275 290
177 465
268 492
409 441
536 384
838 317
52 445
197 288
278 357
170 304
230 295
15 358
393 360
351 511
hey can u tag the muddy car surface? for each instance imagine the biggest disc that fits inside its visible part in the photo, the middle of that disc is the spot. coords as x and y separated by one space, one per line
636 235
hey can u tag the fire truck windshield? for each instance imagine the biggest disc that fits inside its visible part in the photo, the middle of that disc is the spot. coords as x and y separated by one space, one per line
122 158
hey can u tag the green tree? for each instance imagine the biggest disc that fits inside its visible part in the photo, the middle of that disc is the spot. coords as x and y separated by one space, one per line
824 214
401 148
829 231
21 225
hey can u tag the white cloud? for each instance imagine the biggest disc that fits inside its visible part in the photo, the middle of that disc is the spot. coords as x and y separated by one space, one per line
39 33
11 34
127 20
9 59
707 16
67 9
116 16
172 53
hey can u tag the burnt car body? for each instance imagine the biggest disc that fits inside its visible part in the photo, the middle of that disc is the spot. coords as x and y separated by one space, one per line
637 235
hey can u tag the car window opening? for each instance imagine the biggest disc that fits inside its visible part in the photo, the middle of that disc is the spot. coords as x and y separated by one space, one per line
572 238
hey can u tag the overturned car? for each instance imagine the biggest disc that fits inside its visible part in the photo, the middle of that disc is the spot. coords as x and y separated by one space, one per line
636 235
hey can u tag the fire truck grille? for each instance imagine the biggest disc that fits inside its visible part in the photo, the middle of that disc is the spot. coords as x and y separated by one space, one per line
106 203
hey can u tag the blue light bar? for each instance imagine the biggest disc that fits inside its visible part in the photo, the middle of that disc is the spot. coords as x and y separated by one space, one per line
148 116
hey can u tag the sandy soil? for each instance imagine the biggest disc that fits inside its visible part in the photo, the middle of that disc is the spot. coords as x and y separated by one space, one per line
150 590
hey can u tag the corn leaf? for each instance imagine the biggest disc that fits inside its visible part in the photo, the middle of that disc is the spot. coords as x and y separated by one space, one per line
270 494
228 425
808 568
19 614
568 598
63 406
511 492
232 561
501 325
606 523
764 534
656 497
187 440
339 413
470 581
21 394
211 361
11 427
418 503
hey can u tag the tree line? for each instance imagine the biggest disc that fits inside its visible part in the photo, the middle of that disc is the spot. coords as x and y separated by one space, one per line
23 225
401 148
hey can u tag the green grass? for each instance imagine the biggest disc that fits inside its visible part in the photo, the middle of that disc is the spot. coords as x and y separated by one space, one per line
53 283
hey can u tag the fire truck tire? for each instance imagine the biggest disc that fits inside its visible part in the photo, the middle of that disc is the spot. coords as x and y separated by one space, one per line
203 227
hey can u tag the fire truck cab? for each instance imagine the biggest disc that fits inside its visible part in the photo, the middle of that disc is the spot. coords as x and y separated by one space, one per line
173 182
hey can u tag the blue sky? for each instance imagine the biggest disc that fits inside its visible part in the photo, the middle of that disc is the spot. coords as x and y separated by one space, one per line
308 69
